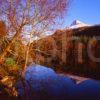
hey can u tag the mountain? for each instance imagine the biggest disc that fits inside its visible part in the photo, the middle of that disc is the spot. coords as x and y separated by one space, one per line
52 49
77 24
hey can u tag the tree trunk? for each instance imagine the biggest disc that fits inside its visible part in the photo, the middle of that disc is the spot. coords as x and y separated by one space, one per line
18 32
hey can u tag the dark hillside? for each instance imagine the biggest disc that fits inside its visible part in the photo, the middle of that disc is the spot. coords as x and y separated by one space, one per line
88 31
66 53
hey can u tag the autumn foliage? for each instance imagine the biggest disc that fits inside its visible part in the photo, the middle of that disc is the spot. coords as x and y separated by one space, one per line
20 19
71 54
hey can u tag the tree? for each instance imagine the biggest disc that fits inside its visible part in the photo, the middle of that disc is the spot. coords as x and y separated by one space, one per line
30 16
3 30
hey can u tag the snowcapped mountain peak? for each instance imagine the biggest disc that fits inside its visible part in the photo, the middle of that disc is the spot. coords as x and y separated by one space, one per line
77 24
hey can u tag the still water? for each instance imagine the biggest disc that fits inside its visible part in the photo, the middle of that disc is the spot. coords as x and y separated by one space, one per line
44 84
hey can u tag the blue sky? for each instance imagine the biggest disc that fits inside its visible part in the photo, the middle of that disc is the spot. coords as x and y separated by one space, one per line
87 11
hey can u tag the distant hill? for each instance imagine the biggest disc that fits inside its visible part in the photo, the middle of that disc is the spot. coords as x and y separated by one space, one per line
88 31
84 31
51 50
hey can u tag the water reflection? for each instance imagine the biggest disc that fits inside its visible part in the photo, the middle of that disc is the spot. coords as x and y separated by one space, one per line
44 84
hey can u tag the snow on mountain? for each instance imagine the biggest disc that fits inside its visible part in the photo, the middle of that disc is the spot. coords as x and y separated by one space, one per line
77 24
